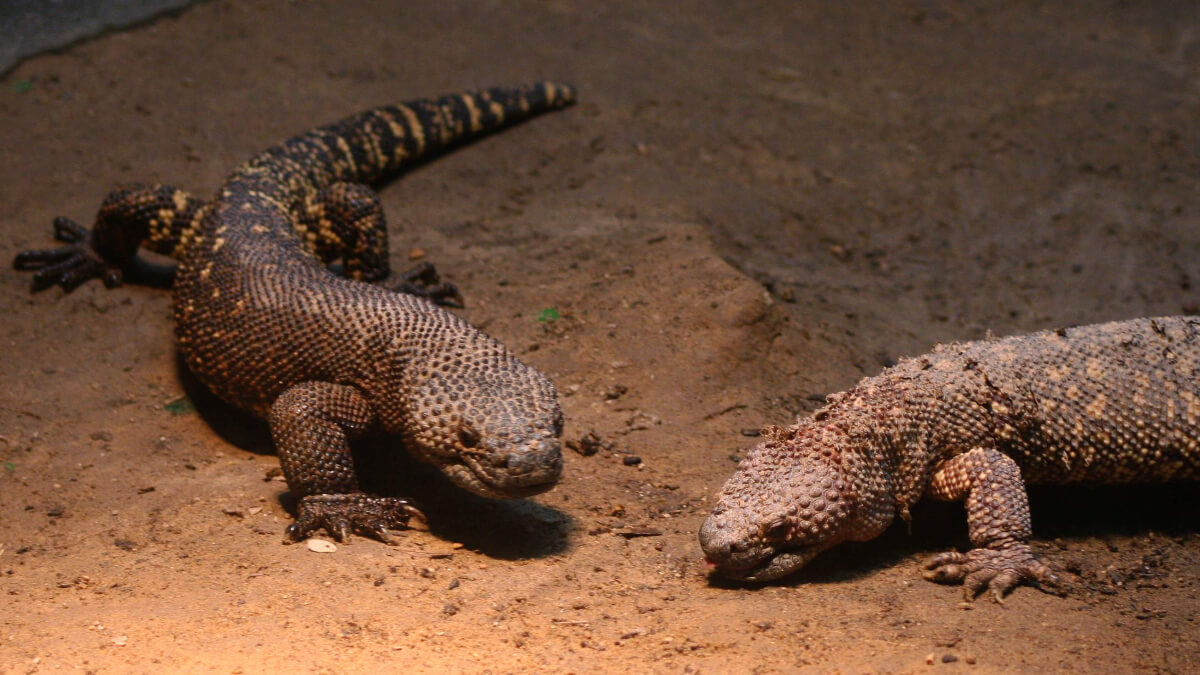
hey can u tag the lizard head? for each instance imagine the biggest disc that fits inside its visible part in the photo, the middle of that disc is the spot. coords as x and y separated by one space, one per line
795 495
492 424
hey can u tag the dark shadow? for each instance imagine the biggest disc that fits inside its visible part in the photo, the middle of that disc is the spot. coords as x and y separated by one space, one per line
504 529
235 427
151 269
1059 512
1128 510
936 527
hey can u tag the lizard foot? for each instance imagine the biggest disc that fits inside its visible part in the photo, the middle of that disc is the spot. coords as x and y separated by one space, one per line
70 265
996 570
341 514
424 281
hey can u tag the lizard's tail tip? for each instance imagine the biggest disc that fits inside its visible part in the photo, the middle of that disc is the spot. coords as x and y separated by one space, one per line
558 94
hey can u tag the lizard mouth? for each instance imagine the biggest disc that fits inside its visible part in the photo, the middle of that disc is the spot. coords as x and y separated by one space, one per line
775 566
510 481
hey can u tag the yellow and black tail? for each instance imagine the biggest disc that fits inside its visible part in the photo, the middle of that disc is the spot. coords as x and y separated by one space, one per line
376 144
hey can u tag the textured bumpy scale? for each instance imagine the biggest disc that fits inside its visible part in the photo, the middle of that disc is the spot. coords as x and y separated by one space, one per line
1109 403
262 321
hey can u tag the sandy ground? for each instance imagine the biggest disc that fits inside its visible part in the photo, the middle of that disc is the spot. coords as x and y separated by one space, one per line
754 204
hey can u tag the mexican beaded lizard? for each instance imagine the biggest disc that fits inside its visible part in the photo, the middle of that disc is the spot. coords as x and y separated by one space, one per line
263 322
1108 403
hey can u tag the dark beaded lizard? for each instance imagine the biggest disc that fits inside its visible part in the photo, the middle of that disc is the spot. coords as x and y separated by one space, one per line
1108 403
265 324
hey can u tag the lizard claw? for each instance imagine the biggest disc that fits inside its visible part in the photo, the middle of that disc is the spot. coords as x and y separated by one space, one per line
424 281
70 265
382 534
998 571
345 513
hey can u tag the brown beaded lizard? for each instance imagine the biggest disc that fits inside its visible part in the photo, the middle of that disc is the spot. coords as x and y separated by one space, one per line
264 323
1108 403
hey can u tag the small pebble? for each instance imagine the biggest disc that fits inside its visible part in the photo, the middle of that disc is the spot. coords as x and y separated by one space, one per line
631 460
321 546
615 392
589 444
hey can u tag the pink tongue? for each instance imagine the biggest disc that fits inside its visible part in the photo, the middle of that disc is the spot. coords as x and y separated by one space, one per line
711 565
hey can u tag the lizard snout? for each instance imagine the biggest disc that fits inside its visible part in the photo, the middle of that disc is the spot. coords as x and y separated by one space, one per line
545 457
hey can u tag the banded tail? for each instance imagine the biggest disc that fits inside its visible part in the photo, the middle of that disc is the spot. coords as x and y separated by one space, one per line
374 145
282 186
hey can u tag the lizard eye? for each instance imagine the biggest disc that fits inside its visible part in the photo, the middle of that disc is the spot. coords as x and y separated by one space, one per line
468 437
776 530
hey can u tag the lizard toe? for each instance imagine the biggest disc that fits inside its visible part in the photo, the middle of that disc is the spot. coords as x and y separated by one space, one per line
978 580
69 231
339 529
380 532
68 266
424 281
1046 580
947 568
293 533
998 570
1003 583
343 514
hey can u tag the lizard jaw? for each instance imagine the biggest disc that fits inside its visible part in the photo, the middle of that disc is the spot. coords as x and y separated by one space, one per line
473 475
775 565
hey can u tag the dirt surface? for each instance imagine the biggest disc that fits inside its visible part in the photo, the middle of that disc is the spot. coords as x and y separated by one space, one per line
754 204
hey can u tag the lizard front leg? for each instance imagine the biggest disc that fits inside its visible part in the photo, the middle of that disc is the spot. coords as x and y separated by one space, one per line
998 524
312 425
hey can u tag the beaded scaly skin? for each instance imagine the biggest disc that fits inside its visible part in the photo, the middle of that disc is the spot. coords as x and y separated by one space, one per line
1108 403
265 324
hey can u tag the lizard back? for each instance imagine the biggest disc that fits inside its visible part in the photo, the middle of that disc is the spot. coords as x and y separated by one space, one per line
1113 403
256 310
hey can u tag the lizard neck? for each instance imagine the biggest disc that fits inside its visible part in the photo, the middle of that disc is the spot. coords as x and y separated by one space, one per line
890 452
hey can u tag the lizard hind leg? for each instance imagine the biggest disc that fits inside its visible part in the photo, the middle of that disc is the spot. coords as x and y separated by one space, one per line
159 217
998 524
312 425
69 265
345 220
